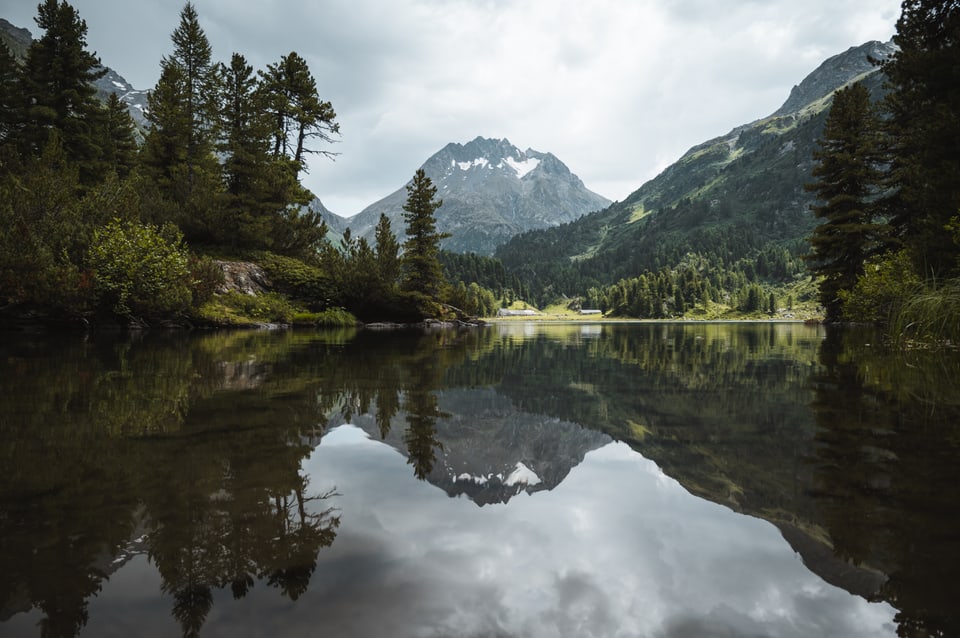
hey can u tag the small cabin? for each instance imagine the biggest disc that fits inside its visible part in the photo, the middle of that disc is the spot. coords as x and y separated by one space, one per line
585 311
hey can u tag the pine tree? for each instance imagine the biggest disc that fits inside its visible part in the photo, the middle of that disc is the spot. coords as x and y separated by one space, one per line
182 109
421 268
178 153
847 178
10 103
192 54
298 113
57 93
925 130
388 252
250 204
118 137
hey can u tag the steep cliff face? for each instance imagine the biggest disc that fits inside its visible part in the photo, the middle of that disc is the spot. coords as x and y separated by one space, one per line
15 38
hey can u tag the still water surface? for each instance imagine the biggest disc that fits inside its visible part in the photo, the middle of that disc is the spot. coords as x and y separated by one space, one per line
657 480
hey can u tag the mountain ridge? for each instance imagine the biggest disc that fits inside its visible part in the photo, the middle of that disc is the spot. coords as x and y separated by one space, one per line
726 200
491 191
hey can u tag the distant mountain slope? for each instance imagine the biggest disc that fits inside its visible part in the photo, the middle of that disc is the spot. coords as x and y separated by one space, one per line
491 191
18 40
725 199
15 38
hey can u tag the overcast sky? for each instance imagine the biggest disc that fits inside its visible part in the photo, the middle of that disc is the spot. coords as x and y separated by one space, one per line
617 89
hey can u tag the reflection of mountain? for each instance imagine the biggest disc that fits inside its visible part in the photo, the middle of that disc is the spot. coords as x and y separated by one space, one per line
491 451
850 451
194 444
724 410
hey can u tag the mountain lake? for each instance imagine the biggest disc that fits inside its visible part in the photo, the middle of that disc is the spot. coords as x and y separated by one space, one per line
662 480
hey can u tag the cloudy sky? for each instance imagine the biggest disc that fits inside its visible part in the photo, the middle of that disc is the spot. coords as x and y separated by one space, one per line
617 89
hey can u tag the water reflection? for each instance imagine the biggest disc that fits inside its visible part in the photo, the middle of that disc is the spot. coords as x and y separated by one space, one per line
105 442
250 462
887 480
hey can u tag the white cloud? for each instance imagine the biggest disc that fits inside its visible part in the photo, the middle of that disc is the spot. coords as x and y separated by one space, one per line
617 90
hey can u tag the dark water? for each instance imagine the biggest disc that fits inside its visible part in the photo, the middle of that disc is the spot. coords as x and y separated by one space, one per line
565 480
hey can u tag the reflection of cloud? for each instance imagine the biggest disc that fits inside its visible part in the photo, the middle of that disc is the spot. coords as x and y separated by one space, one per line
615 550
582 607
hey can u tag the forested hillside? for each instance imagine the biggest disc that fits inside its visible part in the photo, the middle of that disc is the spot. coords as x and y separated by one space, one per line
726 224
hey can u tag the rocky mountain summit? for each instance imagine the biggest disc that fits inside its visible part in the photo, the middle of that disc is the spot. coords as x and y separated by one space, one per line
491 191
135 100
854 63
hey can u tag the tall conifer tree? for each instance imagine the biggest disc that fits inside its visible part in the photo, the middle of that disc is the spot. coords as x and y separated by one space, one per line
388 252
10 104
924 104
244 147
422 271
57 93
118 138
847 178
298 113
178 153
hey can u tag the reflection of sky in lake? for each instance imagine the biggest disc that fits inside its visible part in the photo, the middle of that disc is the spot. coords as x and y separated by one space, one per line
618 549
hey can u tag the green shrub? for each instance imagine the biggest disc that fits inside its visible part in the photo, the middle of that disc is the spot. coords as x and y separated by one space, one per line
879 294
206 276
297 279
140 270
331 317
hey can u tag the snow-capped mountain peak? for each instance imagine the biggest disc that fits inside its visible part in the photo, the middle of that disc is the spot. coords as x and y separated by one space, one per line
491 191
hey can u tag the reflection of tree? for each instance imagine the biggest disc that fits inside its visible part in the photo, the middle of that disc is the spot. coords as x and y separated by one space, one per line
388 404
228 510
425 371
125 433
421 435
201 440
886 479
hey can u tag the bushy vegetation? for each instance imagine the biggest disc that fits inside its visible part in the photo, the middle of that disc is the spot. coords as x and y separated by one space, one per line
882 291
141 270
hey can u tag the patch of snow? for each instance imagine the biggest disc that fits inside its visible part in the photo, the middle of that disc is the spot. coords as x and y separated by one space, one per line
522 474
466 166
522 167
479 480
119 85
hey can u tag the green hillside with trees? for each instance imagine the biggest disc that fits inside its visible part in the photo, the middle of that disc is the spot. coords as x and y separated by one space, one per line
848 203
719 231
97 227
